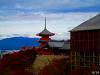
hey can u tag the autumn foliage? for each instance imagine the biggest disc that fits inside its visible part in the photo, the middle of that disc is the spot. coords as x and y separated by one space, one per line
16 63
19 63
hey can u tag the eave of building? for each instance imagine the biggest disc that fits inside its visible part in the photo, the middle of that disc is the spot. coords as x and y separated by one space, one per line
91 24
45 32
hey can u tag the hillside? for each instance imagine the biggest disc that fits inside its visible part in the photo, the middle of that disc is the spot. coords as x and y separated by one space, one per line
15 43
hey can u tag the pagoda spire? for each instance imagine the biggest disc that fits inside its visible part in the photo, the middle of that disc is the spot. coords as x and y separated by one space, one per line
45 32
45 23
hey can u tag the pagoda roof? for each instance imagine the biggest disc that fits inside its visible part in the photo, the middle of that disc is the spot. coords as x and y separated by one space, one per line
91 24
45 32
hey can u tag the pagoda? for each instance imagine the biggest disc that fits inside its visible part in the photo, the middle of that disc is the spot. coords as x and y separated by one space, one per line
45 34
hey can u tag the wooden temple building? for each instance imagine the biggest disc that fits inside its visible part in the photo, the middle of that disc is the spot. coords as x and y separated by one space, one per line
85 45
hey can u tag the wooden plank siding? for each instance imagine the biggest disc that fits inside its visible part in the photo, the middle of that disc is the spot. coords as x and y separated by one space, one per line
85 41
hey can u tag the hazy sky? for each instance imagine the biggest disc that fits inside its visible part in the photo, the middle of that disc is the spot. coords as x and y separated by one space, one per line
26 17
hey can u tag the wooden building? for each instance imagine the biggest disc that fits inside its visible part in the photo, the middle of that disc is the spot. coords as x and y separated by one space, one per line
85 44
59 47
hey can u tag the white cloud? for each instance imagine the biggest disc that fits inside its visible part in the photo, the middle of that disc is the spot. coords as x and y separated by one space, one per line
30 19
22 16
32 24
17 35
21 6
39 4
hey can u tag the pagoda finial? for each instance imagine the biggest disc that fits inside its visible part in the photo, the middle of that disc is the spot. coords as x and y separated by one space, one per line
45 23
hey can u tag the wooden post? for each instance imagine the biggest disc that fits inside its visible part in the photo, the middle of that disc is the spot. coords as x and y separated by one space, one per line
99 58
71 60
93 57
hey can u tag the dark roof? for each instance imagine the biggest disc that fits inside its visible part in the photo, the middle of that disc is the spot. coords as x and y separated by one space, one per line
59 44
66 45
91 24
46 32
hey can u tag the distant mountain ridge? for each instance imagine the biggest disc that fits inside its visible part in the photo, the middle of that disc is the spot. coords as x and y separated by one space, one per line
15 43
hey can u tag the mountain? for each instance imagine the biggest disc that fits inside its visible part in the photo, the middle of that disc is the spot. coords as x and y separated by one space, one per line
15 43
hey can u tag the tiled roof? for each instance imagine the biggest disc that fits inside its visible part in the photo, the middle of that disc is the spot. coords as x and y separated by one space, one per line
56 43
66 45
45 32
59 44
91 24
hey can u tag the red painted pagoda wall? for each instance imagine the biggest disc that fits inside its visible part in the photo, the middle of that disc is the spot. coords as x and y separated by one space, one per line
85 40
45 38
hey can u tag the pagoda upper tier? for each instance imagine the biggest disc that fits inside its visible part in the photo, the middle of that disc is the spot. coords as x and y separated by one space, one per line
45 32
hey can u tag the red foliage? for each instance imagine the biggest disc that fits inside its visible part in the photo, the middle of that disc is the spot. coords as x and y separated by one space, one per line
15 63
80 71
20 72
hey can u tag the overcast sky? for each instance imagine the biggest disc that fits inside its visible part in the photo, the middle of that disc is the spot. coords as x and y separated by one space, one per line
26 17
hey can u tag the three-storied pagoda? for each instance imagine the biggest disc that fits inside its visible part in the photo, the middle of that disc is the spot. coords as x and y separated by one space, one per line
45 34
49 46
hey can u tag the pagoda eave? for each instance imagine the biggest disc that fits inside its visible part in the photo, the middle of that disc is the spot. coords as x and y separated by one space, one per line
45 34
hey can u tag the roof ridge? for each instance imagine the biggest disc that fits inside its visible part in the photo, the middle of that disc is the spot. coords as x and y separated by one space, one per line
86 25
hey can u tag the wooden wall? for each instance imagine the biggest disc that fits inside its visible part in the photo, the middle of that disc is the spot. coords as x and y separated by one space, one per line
85 40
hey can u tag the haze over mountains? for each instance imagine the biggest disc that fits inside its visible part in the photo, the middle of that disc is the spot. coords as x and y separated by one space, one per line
15 43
